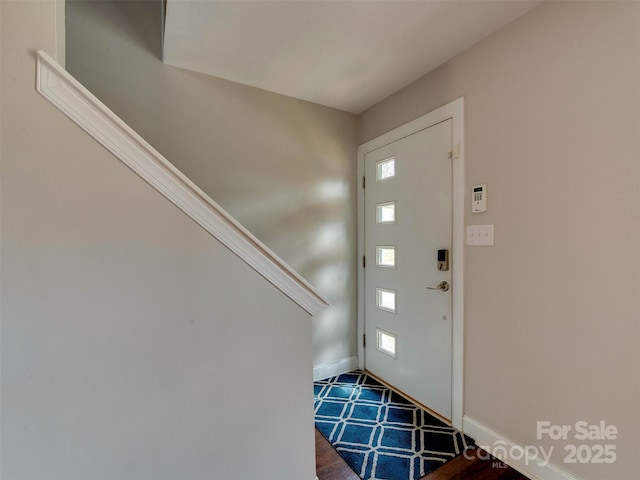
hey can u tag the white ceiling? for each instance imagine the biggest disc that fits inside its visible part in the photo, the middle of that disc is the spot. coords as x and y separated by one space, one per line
346 54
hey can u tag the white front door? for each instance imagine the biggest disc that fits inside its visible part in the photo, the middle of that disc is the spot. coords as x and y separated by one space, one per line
407 220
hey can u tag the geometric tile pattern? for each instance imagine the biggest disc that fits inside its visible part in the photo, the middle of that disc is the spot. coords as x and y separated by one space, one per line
380 434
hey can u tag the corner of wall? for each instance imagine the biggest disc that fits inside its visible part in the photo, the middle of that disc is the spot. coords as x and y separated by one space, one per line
60 29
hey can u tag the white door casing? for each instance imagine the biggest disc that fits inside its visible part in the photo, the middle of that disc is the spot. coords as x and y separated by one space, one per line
453 113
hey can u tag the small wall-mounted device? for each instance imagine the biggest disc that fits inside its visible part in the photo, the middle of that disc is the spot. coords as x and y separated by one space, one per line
443 260
479 198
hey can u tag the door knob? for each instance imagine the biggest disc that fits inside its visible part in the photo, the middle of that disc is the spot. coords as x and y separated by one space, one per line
443 285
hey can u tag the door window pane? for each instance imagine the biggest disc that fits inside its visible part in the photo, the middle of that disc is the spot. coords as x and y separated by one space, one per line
386 299
386 342
386 169
386 212
386 256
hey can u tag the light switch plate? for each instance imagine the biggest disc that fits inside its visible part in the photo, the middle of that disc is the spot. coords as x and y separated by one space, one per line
480 235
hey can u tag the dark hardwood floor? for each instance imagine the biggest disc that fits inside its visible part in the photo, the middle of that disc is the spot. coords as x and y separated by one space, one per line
331 466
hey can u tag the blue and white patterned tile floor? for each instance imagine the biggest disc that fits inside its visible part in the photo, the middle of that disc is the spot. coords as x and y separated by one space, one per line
379 433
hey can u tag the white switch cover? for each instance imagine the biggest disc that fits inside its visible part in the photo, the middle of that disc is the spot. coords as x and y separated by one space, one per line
480 235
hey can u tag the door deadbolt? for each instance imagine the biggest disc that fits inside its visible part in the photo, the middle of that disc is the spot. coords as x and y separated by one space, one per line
443 260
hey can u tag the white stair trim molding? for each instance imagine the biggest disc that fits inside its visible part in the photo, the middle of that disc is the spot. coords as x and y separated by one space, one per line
331 369
90 114
509 452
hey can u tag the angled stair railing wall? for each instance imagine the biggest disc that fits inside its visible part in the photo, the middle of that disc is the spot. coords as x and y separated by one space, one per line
83 108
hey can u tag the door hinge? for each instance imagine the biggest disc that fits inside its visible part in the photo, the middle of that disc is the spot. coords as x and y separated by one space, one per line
364 182
364 340
455 153
364 261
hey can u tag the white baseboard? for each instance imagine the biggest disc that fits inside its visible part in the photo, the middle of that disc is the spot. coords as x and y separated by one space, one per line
331 369
495 443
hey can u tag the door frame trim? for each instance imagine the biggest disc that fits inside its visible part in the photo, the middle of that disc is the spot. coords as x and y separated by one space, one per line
454 111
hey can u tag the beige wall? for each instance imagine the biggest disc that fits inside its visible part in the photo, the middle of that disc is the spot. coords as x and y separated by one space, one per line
553 310
283 167
134 345
552 113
